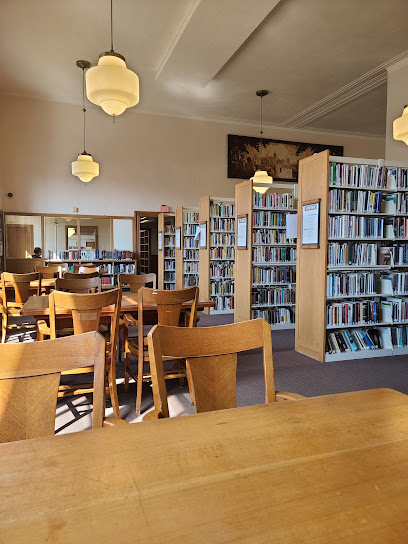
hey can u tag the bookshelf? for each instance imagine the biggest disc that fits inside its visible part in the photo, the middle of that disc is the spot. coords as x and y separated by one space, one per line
110 263
265 271
187 256
144 251
167 251
352 289
217 259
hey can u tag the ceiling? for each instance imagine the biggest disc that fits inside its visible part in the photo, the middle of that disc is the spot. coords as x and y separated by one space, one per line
323 61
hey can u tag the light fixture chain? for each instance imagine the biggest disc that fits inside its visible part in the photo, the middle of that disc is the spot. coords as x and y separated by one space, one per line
83 106
111 25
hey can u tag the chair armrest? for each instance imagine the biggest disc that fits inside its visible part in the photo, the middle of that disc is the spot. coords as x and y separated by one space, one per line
152 415
284 395
114 422
43 328
129 320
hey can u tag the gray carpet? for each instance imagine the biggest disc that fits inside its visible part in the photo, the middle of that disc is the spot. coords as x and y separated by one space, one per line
293 372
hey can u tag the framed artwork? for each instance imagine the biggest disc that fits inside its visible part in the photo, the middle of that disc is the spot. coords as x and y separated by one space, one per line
280 158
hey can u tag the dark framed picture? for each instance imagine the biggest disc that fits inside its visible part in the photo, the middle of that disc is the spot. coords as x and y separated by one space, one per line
280 158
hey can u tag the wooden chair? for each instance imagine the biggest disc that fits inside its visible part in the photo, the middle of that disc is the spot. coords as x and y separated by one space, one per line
135 282
29 379
86 313
211 354
167 310
80 285
85 265
49 272
10 306
78 276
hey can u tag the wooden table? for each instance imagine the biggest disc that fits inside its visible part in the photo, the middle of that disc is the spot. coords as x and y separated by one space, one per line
39 306
324 470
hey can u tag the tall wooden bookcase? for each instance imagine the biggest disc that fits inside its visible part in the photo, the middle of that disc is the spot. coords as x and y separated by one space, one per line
187 255
265 271
217 258
167 251
352 289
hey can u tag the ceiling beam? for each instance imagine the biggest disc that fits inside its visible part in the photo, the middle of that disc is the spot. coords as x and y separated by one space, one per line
210 34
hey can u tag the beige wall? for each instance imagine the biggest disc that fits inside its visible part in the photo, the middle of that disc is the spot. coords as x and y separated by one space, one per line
397 97
145 160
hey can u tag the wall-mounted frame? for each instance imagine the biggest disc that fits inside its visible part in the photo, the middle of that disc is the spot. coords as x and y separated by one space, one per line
178 238
242 231
160 241
203 235
310 228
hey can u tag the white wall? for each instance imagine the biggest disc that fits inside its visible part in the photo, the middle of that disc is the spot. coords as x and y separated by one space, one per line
145 160
397 97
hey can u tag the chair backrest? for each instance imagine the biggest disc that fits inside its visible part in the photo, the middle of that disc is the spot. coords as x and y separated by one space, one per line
21 286
211 354
77 275
49 272
77 266
80 285
168 304
136 282
86 312
30 376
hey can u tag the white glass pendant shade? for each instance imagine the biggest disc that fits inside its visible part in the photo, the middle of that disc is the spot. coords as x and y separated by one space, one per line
85 167
111 85
400 127
261 176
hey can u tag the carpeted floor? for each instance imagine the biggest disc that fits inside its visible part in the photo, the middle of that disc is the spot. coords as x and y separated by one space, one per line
293 372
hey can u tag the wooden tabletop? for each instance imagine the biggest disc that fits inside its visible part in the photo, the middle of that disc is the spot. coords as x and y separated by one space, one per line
38 306
324 470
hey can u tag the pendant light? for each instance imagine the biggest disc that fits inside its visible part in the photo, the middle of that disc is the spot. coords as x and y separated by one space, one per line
84 167
400 126
111 84
261 176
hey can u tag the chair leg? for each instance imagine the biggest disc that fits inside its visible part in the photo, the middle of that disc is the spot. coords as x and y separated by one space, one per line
3 328
127 363
113 389
139 385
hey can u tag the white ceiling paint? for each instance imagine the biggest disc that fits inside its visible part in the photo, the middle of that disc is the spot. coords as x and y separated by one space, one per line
302 52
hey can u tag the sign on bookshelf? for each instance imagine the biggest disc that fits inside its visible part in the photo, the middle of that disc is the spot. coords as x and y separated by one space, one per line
178 238
310 223
203 234
242 231
160 241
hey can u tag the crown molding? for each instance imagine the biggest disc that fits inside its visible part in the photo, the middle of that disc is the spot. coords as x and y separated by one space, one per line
356 88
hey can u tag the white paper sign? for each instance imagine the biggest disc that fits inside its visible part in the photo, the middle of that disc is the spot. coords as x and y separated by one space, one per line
291 225
203 234
310 224
160 241
178 238
242 231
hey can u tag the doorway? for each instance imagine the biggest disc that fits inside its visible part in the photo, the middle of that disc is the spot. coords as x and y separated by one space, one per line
147 242
20 241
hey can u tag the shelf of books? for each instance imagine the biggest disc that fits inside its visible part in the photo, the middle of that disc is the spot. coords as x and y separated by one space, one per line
167 252
217 258
352 292
265 271
187 249
110 263
144 251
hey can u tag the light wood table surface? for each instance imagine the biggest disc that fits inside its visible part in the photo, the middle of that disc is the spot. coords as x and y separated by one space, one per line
39 306
323 470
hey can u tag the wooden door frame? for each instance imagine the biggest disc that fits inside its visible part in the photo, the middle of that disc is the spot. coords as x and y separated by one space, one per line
139 213
17 225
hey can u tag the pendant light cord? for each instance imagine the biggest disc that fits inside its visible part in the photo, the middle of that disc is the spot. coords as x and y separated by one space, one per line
111 25
83 106
261 133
